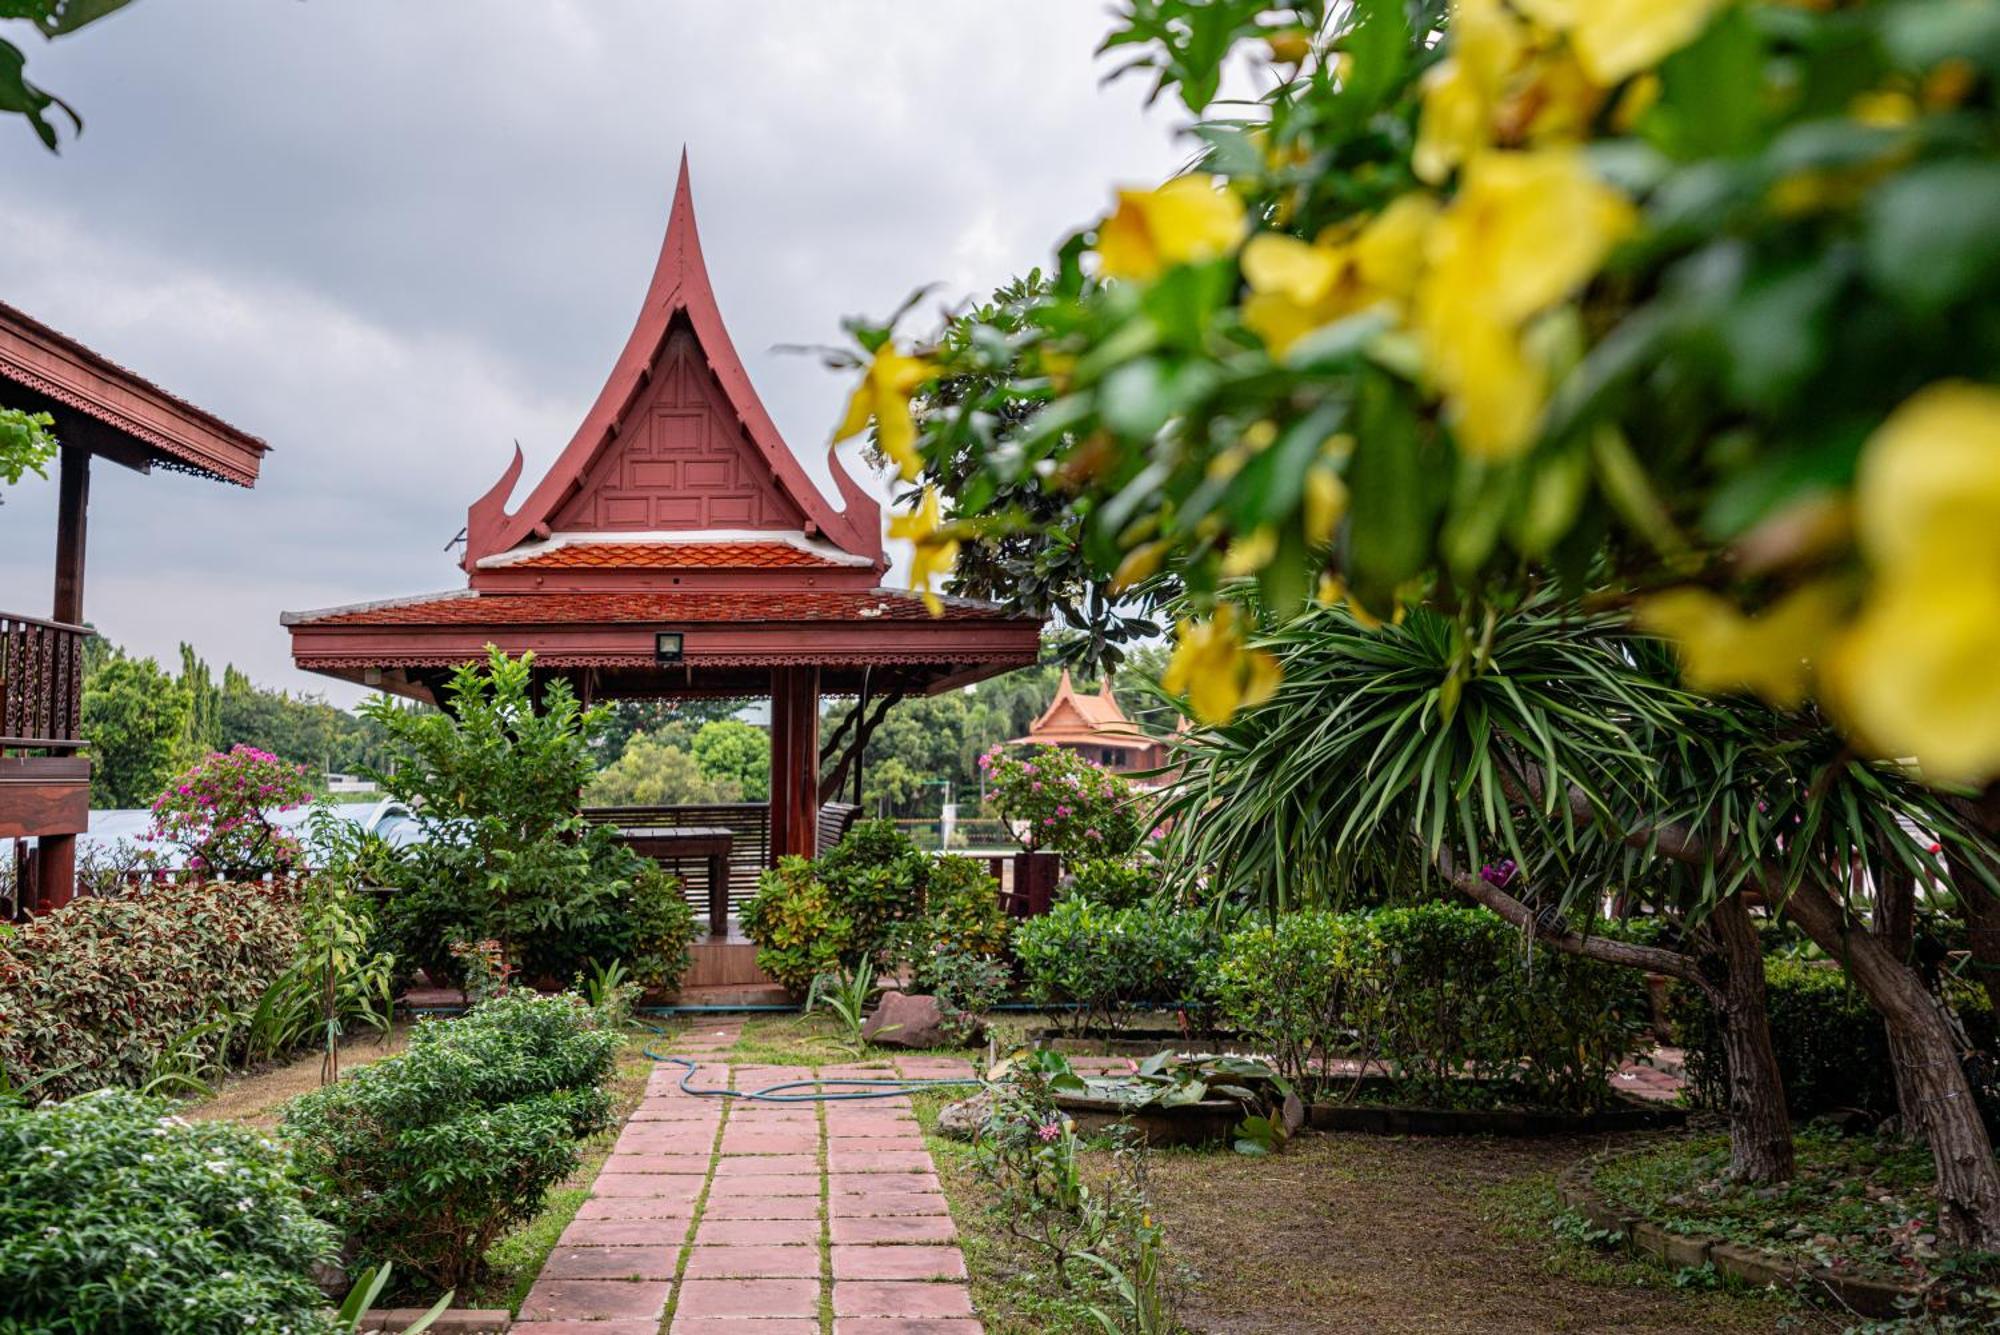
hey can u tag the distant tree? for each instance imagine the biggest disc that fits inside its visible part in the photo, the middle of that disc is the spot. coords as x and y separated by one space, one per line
672 721
654 773
730 751
204 701
135 718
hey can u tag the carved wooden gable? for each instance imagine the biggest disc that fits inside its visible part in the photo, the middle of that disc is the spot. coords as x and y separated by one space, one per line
679 461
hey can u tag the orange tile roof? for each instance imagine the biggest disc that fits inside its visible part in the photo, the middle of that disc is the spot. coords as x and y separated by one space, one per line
672 556
696 606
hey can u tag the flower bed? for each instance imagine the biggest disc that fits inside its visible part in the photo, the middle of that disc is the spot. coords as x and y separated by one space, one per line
108 988
1858 1220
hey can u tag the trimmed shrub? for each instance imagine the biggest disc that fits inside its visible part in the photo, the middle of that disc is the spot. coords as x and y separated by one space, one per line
1116 883
424 1159
1100 960
876 877
961 927
657 929
116 1216
800 933
1288 986
1448 997
864 900
112 986
1450 992
1833 1053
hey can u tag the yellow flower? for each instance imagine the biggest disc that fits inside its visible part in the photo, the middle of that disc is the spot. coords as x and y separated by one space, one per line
1462 91
1527 230
1325 503
1915 675
1615 39
1250 553
1296 287
1721 649
1217 672
936 549
1186 220
884 395
1141 563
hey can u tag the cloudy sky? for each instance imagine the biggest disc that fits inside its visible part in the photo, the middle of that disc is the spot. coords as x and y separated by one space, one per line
392 238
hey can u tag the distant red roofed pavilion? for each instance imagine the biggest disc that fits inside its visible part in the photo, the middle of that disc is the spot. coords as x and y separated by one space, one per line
1096 728
677 510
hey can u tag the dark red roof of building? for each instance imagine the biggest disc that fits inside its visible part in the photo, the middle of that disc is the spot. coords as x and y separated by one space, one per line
622 607
147 424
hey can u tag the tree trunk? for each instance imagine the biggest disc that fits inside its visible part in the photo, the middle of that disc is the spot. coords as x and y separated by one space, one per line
1760 1128
1968 1180
1895 923
1978 905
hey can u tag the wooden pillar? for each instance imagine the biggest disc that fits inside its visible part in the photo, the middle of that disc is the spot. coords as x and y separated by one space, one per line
57 852
794 761
73 501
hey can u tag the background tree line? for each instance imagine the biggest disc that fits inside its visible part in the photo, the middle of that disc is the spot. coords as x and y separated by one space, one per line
146 723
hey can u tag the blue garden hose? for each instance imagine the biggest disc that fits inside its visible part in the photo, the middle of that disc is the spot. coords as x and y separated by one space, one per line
850 1087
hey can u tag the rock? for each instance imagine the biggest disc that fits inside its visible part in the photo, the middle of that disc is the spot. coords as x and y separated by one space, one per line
907 1022
965 1119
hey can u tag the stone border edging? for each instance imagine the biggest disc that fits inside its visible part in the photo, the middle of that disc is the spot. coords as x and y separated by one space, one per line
453 1321
1752 1265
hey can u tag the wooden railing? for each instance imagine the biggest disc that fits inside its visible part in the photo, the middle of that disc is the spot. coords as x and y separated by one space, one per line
41 684
1026 880
749 854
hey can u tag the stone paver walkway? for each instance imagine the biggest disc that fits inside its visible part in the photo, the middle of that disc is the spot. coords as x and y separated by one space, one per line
729 1217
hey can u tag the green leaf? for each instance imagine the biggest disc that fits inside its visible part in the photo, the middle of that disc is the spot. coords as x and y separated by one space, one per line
1395 490
1713 97
1774 333
1379 43
1931 233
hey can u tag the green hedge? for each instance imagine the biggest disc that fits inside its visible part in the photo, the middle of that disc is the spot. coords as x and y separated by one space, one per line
1439 993
855 903
1833 1054
424 1159
117 1216
1102 960
109 986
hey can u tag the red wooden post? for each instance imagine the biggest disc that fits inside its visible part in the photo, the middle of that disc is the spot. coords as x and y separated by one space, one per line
794 761
58 851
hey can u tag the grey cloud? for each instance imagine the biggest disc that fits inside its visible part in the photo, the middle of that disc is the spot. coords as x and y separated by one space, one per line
391 238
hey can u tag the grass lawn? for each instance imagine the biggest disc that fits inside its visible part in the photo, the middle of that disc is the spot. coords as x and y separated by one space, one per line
1349 1233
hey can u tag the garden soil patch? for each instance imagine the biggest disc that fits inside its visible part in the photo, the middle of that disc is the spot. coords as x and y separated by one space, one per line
1352 1233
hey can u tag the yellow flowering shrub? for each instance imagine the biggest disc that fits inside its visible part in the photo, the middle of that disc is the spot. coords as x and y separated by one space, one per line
1685 300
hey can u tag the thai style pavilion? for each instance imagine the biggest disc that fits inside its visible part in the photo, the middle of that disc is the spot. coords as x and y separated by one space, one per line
678 548
1093 725
101 411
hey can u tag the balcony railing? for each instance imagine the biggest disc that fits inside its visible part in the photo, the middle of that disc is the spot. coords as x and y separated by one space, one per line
41 684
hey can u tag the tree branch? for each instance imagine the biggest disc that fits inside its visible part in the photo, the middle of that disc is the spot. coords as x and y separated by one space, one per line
1561 936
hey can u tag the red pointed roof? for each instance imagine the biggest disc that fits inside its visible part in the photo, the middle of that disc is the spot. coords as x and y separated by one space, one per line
676 507
677 441
1077 718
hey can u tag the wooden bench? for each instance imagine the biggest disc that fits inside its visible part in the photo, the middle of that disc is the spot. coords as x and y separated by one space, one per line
835 820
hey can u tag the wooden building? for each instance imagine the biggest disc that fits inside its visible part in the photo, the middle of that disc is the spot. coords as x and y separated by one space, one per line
1095 727
101 411
677 548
